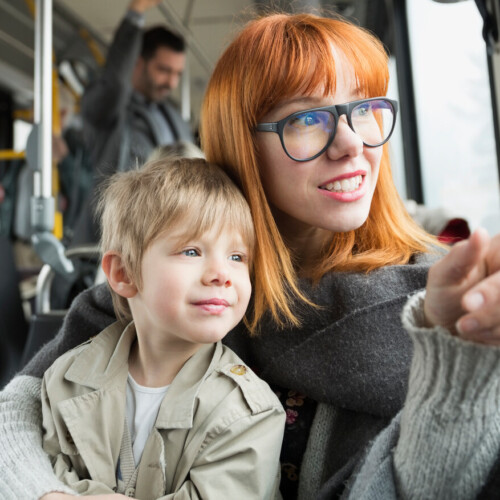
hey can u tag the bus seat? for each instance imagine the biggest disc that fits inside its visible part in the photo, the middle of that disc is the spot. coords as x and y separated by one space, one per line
54 296
43 328
13 323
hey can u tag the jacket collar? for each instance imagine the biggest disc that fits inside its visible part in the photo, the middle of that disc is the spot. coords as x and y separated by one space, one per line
104 365
105 361
178 407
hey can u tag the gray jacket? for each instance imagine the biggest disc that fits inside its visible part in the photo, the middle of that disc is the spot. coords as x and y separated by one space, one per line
118 125
118 122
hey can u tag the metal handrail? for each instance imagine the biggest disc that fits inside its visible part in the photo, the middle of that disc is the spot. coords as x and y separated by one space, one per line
47 274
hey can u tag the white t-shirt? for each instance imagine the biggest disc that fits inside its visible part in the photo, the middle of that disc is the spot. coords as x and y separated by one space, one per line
142 406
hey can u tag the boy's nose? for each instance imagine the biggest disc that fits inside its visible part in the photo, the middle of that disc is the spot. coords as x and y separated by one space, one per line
217 274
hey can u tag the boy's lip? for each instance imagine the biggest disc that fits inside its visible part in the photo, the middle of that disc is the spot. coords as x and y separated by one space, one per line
213 301
213 306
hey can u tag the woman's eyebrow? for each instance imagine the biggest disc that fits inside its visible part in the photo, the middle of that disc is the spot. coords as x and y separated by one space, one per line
305 100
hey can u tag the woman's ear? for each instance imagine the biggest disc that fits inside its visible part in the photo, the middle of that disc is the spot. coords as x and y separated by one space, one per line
118 279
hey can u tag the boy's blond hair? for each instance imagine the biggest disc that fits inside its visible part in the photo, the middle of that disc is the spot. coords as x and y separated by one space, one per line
137 206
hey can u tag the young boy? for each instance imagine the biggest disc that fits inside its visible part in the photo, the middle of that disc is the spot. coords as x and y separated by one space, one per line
155 406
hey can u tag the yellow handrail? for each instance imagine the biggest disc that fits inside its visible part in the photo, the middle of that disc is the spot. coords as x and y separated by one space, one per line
31 7
25 115
92 46
10 154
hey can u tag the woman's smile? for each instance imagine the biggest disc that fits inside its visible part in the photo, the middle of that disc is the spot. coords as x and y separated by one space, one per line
346 187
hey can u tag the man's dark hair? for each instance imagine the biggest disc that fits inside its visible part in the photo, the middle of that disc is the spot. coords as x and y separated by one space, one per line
160 36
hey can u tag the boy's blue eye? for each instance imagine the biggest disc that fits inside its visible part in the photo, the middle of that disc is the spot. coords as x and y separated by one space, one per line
191 252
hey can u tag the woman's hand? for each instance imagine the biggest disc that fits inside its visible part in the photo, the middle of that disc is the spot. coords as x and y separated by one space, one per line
463 290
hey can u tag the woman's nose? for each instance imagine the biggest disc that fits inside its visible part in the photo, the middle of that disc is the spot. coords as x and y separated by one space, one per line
346 142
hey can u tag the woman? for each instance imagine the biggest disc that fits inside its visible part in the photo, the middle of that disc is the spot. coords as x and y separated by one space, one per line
339 257
322 209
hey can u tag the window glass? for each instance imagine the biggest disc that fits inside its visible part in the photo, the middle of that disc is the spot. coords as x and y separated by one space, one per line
22 130
454 111
396 142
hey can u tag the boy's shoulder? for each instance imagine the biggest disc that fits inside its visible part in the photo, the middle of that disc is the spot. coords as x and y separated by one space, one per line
54 383
256 392
64 361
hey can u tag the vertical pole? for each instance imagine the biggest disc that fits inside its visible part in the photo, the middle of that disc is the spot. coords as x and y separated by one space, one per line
37 98
46 245
46 104
186 92
43 204
414 187
493 58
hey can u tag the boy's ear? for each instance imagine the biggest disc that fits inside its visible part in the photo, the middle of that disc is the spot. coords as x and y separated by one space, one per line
118 279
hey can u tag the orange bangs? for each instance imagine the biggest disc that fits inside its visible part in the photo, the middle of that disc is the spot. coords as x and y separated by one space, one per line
283 55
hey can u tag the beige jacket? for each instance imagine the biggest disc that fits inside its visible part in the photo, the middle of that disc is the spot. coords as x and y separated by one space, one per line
218 432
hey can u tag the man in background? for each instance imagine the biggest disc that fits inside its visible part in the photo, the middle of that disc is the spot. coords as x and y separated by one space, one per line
125 111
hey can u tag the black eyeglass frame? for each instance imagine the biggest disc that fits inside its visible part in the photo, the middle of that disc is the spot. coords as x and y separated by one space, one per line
337 110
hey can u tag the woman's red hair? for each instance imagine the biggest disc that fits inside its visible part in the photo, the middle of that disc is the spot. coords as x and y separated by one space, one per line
274 58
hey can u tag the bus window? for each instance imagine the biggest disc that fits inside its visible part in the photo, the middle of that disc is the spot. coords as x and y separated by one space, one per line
454 111
22 130
396 142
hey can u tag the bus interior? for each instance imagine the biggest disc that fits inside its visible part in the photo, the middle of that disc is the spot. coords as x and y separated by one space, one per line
445 73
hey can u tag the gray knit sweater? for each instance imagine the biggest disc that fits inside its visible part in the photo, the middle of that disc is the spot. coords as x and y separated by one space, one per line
447 437
449 433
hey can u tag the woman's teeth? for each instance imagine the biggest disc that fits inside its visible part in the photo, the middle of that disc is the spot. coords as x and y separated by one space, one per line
345 185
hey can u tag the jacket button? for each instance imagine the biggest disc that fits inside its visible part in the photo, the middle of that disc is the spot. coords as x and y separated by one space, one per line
130 492
239 369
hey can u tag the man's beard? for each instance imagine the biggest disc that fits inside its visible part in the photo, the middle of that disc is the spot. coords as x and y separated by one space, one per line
159 93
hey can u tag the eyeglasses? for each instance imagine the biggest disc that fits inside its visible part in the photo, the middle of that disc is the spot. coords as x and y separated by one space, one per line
307 134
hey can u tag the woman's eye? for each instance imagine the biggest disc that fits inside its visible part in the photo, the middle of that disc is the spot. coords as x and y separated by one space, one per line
236 258
191 252
305 120
310 119
362 110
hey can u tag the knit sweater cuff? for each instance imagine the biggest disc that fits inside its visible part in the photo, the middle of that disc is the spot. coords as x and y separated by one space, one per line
450 425
26 469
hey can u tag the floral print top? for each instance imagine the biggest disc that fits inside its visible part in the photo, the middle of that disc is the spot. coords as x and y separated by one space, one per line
300 412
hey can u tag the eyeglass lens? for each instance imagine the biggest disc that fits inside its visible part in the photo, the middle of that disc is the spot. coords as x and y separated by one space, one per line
306 134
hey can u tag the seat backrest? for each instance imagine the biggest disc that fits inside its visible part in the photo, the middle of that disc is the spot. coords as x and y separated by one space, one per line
53 291
13 324
43 328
